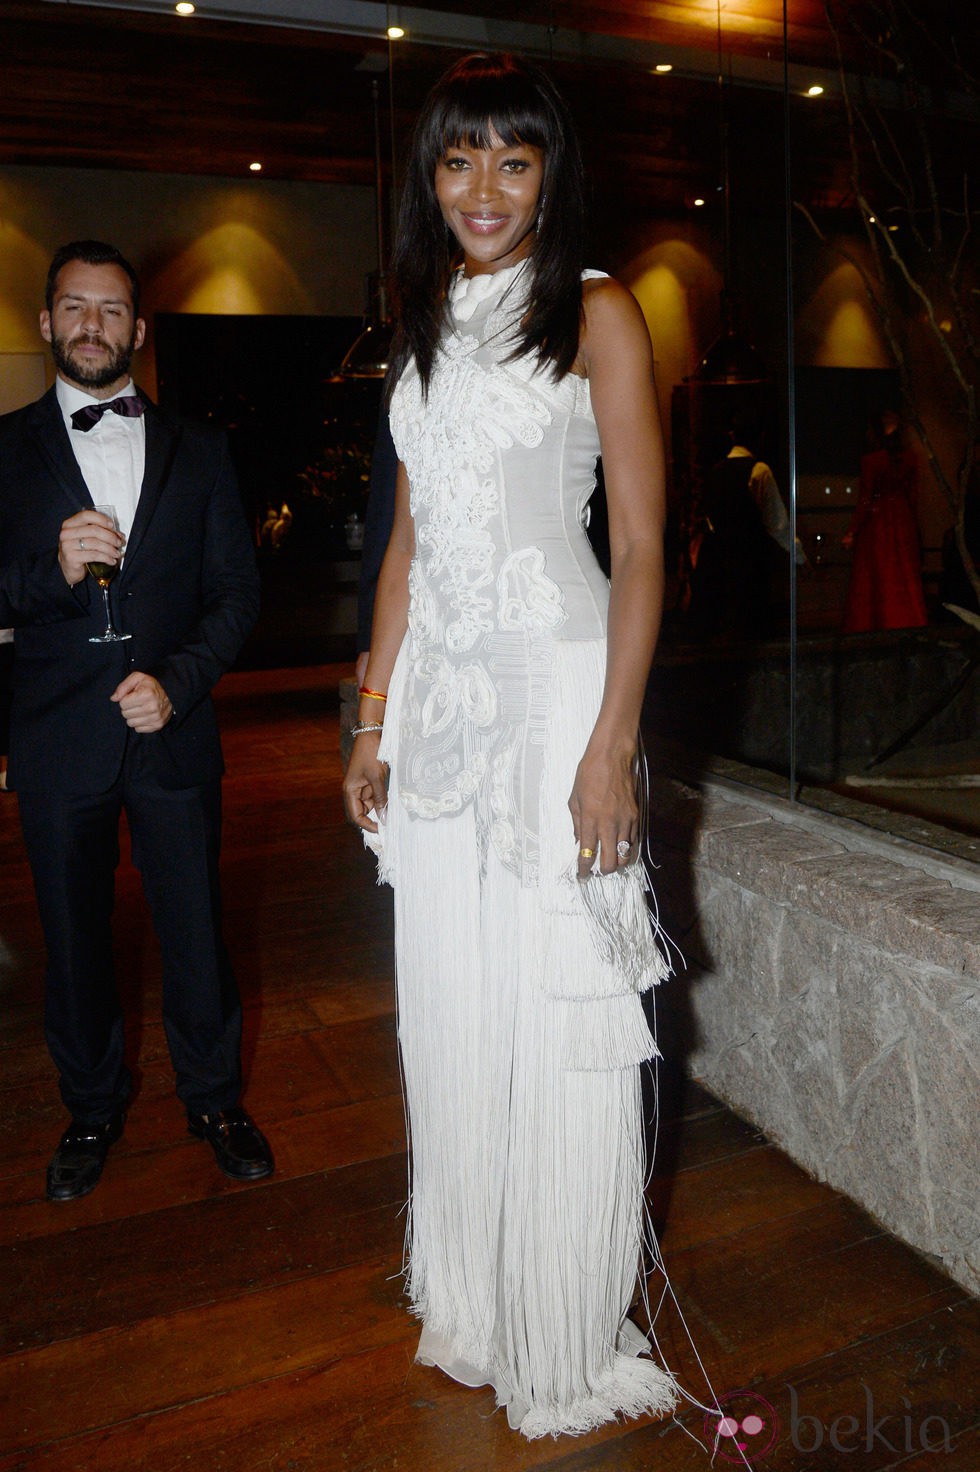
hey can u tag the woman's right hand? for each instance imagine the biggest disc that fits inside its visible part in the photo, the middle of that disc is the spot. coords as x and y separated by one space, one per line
365 782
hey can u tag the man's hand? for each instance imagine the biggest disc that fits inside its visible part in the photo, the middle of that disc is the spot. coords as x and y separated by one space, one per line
88 536
144 703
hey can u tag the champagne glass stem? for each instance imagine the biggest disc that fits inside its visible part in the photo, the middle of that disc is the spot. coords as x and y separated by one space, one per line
110 627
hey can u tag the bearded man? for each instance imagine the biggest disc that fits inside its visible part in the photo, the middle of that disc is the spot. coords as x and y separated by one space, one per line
112 708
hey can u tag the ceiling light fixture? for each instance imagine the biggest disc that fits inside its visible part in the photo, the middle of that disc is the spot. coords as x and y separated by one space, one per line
395 33
255 167
731 358
815 91
663 67
184 7
370 352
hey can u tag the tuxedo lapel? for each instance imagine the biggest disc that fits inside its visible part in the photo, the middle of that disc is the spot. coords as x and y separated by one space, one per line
46 427
162 439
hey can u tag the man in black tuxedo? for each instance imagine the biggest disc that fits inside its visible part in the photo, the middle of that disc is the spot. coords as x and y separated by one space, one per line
98 727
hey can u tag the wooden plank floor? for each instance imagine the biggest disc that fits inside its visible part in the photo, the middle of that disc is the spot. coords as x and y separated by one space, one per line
174 1320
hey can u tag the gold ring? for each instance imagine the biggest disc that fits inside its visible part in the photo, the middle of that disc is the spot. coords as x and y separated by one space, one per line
586 853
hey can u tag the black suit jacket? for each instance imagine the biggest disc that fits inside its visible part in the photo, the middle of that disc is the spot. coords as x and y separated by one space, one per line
377 529
188 593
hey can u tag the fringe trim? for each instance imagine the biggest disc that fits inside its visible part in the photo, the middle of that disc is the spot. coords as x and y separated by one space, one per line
454 1198
625 934
610 1033
631 1387
606 944
622 935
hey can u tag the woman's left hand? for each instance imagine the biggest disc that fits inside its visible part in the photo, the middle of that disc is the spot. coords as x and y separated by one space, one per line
604 810
365 782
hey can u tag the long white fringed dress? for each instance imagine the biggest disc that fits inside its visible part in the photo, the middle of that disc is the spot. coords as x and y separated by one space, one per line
519 1012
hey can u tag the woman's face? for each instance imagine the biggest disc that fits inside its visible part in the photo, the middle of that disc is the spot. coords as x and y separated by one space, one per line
489 199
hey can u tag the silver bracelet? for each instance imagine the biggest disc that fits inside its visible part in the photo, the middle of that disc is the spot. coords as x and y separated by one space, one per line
367 726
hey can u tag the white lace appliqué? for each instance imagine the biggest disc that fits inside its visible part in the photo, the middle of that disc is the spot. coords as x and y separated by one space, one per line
483 608
527 597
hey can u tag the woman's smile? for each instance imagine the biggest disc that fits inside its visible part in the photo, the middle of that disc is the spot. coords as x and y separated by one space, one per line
489 198
484 224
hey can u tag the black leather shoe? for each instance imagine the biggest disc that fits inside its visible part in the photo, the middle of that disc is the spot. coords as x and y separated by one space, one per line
239 1146
77 1163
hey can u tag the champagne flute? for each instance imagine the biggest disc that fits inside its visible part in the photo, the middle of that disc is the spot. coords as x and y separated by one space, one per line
103 573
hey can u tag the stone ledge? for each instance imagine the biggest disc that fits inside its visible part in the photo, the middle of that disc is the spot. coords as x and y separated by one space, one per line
831 999
899 907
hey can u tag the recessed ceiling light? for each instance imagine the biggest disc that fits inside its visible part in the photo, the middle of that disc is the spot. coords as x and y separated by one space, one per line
663 67
184 7
698 202
256 167
815 91
395 33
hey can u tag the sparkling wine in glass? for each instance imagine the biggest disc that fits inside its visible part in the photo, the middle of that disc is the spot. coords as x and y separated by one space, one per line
103 573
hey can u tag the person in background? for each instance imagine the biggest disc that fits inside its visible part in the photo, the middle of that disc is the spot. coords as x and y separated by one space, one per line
377 530
103 724
743 518
885 588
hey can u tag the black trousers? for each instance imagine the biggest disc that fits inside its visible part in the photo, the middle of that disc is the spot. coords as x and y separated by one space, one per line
73 847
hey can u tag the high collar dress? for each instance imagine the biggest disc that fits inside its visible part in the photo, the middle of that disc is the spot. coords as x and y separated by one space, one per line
520 1020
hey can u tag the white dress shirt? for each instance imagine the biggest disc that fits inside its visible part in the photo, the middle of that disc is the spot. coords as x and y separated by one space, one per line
111 455
762 484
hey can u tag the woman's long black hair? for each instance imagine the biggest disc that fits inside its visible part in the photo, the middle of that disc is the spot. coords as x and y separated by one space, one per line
480 95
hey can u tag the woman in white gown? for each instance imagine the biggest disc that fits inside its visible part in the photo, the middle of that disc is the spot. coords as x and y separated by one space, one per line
495 767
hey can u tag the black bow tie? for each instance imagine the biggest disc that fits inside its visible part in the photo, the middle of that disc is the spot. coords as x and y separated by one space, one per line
129 406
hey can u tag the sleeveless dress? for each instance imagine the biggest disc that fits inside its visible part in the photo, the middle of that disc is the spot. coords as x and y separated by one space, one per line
520 1020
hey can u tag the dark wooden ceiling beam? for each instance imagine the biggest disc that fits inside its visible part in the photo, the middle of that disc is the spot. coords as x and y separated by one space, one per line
85 86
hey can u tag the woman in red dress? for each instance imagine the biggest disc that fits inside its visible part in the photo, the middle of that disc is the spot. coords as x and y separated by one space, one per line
885 590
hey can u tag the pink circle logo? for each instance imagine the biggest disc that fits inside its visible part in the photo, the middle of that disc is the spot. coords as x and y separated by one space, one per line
744 1427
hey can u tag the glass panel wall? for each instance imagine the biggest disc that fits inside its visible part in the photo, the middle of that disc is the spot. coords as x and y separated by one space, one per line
701 239
885 345
812 292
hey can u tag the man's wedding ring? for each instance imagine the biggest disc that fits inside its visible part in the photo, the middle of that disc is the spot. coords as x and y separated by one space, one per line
623 847
586 853
81 545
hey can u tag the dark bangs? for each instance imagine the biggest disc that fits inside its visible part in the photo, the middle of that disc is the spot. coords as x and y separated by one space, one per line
491 98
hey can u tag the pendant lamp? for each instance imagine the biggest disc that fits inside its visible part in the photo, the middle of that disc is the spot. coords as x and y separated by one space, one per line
370 352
